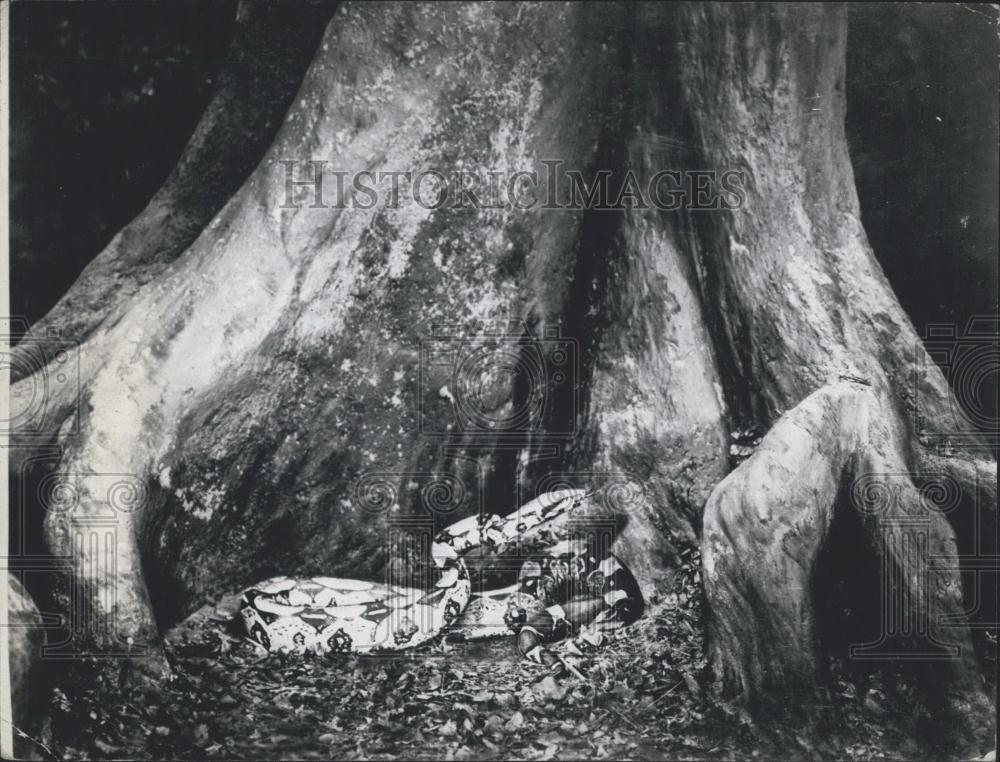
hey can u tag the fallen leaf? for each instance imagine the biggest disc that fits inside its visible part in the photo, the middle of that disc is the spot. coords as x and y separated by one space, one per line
548 688
104 747
504 699
200 733
691 683
622 691
516 722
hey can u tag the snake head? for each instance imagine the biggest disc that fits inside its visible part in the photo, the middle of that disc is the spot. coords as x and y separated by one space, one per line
515 617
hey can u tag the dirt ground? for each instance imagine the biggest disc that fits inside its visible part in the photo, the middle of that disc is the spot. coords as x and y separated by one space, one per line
641 697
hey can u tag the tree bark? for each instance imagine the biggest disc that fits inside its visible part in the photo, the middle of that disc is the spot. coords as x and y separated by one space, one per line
800 302
265 384
24 638
271 48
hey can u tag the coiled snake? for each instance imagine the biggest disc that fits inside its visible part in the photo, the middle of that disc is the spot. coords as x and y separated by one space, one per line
569 587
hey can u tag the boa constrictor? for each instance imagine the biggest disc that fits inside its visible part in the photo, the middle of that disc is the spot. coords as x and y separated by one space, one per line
568 591
332 614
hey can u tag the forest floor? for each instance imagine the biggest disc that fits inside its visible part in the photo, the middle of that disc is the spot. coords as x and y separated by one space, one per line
641 697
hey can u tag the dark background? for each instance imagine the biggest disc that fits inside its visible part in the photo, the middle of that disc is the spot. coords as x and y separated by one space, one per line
923 131
104 95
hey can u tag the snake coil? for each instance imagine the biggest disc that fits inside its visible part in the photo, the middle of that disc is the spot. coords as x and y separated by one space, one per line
333 614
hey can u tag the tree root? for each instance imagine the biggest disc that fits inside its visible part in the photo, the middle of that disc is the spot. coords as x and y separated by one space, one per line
840 449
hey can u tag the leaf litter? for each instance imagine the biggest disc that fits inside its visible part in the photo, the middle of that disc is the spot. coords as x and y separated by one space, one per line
642 697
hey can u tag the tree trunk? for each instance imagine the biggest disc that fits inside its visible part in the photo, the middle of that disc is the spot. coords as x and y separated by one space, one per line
271 48
24 638
263 391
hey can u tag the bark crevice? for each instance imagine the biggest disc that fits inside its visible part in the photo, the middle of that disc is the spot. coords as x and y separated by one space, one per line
767 525
294 405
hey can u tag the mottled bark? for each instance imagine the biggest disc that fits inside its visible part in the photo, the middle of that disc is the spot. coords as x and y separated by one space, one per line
24 639
272 46
797 301
841 449
269 380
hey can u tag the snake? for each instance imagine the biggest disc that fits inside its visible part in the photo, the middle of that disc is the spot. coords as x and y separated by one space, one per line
571 594
340 615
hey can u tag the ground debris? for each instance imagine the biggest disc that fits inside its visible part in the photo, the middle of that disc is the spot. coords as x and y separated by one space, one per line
643 697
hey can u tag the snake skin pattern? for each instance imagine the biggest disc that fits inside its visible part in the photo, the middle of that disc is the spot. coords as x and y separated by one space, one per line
535 609
332 614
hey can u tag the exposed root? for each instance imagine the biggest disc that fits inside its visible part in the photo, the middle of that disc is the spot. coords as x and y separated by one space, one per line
765 524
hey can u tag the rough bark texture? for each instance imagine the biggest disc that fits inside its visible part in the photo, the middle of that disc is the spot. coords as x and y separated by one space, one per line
269 402
25 638
801 301
271 48
840 449
267 385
